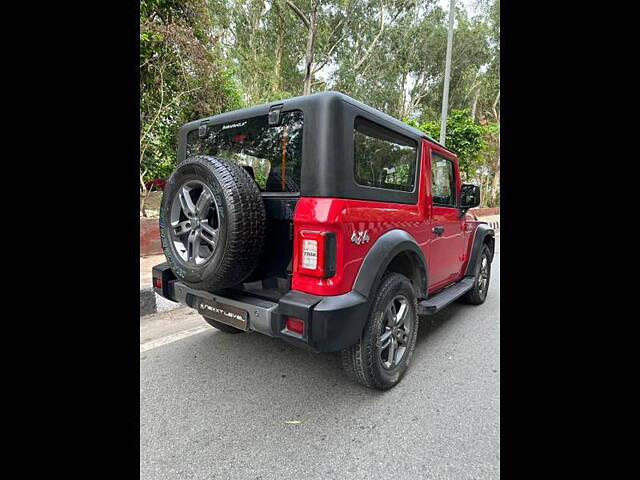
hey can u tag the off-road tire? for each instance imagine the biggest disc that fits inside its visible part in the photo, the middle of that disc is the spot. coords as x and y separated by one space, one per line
241 223
222 326
477 295
361 362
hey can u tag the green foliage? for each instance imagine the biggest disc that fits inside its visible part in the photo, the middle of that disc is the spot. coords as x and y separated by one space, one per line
466 138
182 76
202 57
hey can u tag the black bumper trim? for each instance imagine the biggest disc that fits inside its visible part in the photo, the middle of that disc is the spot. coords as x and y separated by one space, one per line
332 323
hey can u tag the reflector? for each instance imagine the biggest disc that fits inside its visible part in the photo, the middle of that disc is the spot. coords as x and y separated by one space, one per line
295 325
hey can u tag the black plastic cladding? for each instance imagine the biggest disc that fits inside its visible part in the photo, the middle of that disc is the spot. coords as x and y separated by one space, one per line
327 144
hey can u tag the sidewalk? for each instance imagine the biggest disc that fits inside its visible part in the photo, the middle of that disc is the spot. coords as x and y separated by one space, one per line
492 220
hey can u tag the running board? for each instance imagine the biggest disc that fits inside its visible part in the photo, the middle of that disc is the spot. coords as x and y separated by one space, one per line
445 297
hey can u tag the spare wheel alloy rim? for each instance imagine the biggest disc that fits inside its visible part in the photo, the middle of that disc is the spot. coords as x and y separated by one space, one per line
194 223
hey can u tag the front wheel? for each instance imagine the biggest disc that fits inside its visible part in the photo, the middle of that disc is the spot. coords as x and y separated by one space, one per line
382 355
478 292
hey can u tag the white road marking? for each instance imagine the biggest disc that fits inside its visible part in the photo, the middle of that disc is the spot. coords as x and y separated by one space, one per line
172 338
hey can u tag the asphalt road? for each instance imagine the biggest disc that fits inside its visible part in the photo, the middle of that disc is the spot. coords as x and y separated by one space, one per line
217 406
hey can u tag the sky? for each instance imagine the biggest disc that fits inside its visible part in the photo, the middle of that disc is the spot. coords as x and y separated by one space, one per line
469 5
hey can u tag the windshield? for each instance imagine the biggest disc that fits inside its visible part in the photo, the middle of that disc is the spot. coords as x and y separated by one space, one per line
271 154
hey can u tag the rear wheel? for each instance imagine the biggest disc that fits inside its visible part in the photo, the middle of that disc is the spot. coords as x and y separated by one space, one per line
382 355
221 326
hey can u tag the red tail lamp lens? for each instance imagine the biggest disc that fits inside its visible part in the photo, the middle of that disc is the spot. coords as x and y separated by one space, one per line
157 282
295 325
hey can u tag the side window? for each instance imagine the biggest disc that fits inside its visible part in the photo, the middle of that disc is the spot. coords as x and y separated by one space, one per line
443 181
383 158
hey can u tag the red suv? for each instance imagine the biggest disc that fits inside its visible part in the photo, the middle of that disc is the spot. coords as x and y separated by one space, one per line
323 222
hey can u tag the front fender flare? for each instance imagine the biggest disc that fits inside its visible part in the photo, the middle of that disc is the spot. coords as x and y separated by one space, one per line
478 240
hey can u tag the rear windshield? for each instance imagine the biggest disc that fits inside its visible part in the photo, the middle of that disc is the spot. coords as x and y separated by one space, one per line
271 155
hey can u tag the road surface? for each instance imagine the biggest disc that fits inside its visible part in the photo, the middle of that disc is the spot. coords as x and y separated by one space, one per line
220 406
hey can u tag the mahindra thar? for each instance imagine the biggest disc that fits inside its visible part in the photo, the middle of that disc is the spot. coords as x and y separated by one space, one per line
323 222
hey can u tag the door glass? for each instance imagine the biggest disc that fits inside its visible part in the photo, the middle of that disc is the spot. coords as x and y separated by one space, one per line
443 181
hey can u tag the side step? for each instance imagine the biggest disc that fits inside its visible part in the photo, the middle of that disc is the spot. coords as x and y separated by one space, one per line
445 297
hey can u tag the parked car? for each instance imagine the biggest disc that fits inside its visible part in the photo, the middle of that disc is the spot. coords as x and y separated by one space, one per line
324 222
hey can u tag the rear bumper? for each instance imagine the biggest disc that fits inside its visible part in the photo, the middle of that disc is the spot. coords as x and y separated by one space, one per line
332 323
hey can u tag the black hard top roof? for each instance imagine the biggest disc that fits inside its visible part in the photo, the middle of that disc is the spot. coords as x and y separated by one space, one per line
310 100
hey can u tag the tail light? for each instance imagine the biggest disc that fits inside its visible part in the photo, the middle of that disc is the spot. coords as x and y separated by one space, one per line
157 282
317 254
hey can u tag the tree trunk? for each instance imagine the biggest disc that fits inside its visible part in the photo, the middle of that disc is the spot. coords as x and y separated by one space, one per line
278 66
496 175
145 194
402 100
474 105
308 58
496 180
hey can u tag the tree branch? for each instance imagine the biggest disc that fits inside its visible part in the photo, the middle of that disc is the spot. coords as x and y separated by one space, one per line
375 40
328 54
299 13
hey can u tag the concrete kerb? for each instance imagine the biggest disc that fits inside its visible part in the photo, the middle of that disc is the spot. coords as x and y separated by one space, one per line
151 302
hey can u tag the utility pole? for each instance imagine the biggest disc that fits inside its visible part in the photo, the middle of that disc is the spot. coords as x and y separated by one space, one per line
447 73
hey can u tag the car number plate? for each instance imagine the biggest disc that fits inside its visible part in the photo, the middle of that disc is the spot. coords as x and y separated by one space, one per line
228 314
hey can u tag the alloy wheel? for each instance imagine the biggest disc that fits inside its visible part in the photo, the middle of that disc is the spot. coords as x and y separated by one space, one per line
194 223
396 332
483 278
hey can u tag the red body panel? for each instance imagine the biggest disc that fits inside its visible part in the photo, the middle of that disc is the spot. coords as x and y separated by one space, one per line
446 255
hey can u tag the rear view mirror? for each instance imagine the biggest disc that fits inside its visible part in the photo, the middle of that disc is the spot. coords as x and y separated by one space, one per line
469 196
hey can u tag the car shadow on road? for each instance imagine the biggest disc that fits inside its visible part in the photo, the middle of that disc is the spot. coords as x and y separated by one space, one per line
428 324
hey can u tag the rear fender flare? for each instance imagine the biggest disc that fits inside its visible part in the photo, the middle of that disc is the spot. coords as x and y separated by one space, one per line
381 254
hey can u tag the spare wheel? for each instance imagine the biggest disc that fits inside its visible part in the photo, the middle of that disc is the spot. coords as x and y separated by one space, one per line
212 223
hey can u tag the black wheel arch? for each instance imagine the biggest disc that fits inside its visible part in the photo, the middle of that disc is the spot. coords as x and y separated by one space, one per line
395 251
484 235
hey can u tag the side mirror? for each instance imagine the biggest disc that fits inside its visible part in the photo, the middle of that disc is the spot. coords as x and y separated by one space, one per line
469 196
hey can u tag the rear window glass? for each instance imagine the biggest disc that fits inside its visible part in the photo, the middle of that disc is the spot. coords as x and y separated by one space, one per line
271 154
383 158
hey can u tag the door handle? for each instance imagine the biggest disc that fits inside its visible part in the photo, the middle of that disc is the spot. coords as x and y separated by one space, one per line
438 230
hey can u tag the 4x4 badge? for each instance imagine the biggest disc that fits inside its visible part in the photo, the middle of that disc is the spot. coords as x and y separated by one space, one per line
359 237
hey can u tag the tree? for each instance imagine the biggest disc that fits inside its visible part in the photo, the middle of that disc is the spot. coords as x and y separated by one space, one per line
311 25
464 137
181 77
202 57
